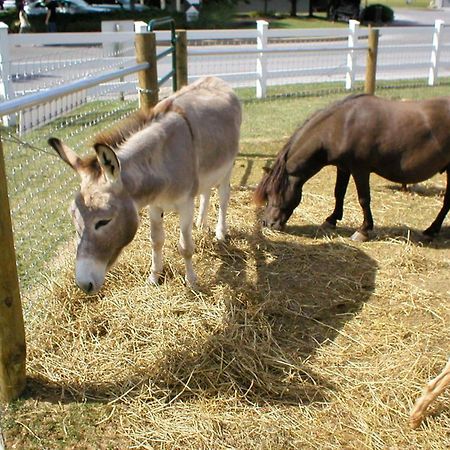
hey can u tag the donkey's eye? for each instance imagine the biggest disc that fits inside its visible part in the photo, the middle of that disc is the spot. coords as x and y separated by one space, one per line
101 223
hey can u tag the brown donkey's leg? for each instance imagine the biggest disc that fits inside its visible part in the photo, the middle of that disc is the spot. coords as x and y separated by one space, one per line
363 189
342 179
430 392
435 227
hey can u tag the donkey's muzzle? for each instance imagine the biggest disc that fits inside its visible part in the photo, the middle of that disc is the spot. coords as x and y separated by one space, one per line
273 224
90 275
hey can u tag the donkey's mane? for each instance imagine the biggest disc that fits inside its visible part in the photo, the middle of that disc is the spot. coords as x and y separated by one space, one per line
118 135
277 178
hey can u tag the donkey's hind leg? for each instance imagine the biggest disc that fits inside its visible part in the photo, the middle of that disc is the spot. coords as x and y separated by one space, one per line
157 239
363 189
202 218
224 198
186 243
435 227
430 392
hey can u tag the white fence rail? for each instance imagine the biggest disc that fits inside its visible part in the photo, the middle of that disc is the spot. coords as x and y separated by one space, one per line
260 57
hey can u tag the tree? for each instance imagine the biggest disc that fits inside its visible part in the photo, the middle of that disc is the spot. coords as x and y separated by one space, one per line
293 8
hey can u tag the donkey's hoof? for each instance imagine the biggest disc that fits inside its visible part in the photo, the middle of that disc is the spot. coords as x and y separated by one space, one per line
154 279
191 282
221 235
427 237
358 236
201 226
327 226
415 420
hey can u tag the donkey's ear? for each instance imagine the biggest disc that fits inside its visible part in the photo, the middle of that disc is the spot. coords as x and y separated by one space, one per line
66 154
108 161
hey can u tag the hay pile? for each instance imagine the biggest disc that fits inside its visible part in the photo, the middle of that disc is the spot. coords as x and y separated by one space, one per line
293 340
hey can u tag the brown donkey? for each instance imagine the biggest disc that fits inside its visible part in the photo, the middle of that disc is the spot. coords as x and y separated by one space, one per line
404 142
183 149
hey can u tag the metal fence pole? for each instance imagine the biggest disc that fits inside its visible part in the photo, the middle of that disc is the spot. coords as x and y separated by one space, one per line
12 332
182 59
435 52
261 59
371 65
145 42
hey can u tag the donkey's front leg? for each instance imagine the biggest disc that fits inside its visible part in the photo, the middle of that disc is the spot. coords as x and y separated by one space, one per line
342 179
186 243
363 189
157 239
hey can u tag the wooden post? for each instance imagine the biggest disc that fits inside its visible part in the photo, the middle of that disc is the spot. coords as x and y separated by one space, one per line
145 43
12 332
182 60
371 65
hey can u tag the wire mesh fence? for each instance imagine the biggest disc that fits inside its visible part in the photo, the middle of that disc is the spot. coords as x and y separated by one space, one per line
40 185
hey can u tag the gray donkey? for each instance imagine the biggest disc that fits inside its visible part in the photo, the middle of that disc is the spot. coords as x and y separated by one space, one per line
183 148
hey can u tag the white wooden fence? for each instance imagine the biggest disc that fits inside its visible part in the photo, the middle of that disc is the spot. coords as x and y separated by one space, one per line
258 57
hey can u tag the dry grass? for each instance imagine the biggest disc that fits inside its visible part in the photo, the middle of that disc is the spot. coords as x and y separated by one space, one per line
294 340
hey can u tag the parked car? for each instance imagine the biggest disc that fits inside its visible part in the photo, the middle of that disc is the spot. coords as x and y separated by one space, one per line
9 4
337 9
343 9
66 7
119 4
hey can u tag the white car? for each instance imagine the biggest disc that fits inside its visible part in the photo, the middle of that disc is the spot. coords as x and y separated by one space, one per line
9 4
119 4
66 7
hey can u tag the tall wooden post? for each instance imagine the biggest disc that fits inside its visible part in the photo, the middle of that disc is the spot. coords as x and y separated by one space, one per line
371 65
12 332
182 60
145 43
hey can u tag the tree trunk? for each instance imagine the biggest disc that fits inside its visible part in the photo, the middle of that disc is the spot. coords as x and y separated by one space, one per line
294 8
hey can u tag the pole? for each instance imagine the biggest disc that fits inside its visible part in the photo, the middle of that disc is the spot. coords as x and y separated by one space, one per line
435 52
371 65
12 332
261 60
182 60
145 43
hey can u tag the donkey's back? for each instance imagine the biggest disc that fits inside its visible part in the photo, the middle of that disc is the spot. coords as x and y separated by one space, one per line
214 115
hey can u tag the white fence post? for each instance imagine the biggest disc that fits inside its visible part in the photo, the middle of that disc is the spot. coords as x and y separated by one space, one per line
6 87
178 5
116 49
163 4
261 60
353 28
435 52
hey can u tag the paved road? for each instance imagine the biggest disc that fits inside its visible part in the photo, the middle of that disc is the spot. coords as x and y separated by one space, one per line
414 17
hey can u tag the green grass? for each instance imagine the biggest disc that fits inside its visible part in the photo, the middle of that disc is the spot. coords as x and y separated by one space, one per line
415 4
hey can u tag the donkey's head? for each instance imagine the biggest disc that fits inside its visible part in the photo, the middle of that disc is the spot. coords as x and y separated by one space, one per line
280 193
104 214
